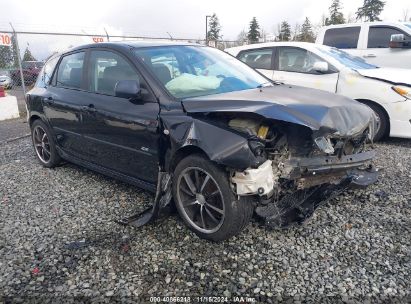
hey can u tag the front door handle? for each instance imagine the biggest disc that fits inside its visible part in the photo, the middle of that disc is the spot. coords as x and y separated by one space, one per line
90 108
370 56
48 100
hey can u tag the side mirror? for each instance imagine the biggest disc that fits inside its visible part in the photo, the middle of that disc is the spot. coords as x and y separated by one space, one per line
321 66
399 41
129 89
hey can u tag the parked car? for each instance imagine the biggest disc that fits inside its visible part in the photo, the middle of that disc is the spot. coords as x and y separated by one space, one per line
5 80
385 90
193 123
30 69
385 44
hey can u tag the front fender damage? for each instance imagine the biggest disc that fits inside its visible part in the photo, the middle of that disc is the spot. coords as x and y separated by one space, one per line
221 144
182 131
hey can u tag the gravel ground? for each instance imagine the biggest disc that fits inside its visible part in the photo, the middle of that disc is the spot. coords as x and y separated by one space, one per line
12 129
58 240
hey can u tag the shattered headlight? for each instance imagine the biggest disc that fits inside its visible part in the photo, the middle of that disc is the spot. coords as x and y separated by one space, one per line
403 91
324 144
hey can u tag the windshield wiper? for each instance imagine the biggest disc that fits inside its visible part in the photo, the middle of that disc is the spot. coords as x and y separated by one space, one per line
266 84
269 84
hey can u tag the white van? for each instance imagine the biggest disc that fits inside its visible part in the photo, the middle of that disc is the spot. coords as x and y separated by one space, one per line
385 44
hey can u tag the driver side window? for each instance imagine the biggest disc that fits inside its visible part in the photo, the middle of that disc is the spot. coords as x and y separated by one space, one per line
297 60
107 69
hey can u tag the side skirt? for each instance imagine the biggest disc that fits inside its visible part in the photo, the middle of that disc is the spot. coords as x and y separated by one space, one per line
120 176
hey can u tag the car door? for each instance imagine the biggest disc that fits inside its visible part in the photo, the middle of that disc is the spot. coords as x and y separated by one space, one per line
378 50
63 100
122 135
259 59
294 65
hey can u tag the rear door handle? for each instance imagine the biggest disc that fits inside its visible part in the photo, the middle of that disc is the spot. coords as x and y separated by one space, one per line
370 56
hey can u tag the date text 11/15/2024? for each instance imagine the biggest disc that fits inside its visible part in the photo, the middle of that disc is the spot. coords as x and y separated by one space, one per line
202 299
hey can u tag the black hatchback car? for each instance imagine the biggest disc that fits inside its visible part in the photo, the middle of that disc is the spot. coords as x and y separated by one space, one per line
202 130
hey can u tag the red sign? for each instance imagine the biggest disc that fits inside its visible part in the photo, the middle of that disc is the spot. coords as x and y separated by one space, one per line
5 39
98 39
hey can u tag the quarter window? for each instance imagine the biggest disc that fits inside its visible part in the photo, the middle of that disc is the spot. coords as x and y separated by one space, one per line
380 37
107 69
46 73
70 71
258 59
342 38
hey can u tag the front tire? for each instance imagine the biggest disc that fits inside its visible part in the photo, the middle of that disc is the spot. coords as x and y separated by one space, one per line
206 202
383 122
44 145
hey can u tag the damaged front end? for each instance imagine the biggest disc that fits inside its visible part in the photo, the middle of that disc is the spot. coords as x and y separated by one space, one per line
288 156
304 168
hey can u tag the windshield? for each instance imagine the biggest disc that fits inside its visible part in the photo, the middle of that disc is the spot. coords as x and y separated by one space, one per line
191 71
408 24
347 59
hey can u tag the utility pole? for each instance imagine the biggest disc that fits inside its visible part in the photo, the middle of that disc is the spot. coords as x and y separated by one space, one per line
23 85
206 37
108 37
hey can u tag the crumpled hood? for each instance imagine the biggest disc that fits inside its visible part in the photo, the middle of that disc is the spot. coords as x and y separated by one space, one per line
390 75
318 110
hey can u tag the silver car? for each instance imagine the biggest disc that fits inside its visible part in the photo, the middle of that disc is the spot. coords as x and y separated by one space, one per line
5 80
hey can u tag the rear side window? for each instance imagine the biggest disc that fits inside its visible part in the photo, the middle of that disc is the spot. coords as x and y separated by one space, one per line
342 38
70 71
380 36
107 69
257 59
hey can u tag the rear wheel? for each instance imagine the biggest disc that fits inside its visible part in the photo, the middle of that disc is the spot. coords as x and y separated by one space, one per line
44 144
205 201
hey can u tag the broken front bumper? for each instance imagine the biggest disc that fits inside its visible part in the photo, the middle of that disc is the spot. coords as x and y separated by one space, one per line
298 206
316 179
306 172
328 164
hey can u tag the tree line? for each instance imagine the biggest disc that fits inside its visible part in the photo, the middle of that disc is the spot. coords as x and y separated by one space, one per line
369 11
8 55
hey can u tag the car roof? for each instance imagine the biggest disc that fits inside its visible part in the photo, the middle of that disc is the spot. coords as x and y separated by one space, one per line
370 23
135 44
235 50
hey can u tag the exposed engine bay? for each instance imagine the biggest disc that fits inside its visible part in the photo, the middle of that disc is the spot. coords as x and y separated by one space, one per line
298 165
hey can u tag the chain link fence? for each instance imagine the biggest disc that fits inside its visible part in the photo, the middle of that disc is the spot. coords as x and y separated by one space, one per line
23 54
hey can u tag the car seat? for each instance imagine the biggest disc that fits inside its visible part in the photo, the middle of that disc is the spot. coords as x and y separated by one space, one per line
299 63
75 78
162 72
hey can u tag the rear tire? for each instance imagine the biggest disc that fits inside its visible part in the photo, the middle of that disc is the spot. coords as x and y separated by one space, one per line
44 145
383 121
206 202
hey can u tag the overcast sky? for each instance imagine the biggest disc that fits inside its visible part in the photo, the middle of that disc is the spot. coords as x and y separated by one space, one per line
181 18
